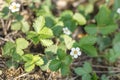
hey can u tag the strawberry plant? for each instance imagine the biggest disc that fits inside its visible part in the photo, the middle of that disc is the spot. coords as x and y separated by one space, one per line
80 42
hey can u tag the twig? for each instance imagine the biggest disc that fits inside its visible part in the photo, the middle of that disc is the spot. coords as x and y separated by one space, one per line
22 75
101 72
3 39
114 75
3 26
49 78
9 23
105 66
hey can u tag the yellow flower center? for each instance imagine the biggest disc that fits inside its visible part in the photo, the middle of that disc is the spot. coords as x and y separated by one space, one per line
66 30
14 7
75 52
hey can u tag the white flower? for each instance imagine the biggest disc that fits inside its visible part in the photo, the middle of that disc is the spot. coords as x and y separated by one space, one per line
14 7
118 10
66 31
75 52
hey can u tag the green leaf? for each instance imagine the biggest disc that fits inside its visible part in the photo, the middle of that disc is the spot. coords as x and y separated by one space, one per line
19 51
45 33
85 70
116 4
71 24
91 29
66 15
29 66
20 25
11 64
16 25
21 43
46 42
104 77
107 29
39 24
87 67
68 41
65 70
55 65
90 50
88 40
94 76
38 60
52 49
7 49
116 39
28 57
79 18
50 21
61 54
57 29
25 26
45 67
103 42
33 36
80 71
111 56
16 57
86 77
116 48
104 16
67 60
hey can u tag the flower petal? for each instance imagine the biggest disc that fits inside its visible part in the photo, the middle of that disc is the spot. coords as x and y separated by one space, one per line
10 7
13 3
79 53
12 10
71 53
78 49
17 9
18 5
75 56
73 49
